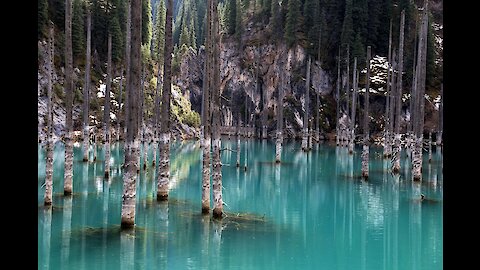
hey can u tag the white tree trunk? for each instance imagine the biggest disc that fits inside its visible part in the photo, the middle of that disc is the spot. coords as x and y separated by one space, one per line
50 146
366 121
86 92
129 183
163 175
305 147
351 144
216 160
68 176
106 117
278 147
206 175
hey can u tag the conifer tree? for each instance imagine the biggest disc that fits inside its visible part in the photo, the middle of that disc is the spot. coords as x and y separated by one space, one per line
292 24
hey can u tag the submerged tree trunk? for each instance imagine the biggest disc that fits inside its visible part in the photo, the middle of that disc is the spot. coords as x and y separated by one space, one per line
106 116
86 92
68 176
347 91
119 104
206 115
49 163
387 145
238 140
351 144
279 136
440 118
397 146
216 161
366 121
305 116
429 146
164 145
420 87
393 98
142 120
337 139
127 66
131 139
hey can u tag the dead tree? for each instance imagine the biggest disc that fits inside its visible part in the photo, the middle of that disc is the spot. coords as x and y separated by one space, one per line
366 122
398 106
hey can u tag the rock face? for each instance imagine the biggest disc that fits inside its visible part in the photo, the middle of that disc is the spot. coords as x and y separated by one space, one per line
179 130
238 73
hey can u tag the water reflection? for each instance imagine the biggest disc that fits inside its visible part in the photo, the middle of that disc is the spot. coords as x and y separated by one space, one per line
310 211
66 231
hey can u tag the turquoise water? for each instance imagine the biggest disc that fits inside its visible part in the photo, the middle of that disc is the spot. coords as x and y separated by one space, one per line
311 212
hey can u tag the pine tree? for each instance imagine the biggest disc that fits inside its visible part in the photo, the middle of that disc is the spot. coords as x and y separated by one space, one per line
78 31
346 39
146 23
159 32
42 15
184 36
192 35
292 25
232 17
358 50
117 38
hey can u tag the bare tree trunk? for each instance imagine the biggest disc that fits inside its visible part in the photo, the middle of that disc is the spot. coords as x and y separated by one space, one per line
119 113
338 102
429 147
410 135
142 120
305 116
238 140
49 163
68 180
106 116
279 136
157 113
440 118
216 161
420 87
347 91
351 144
397 146
164 162
86 90
393 87
127 64
387 151
131 140
318 105
206 115
366 121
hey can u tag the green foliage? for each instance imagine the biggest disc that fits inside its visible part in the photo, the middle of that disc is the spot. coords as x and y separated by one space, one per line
293 23
359 51
56 13
232 17
146 22
42 26
158 38
78 30
118 44
182 110
184 37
